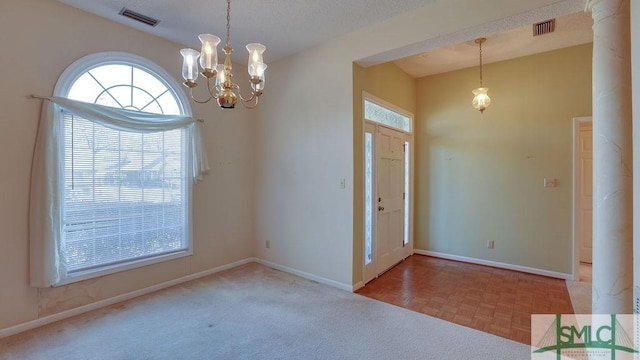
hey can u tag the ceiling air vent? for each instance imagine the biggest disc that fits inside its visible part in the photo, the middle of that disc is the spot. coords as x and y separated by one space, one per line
139 17
544 27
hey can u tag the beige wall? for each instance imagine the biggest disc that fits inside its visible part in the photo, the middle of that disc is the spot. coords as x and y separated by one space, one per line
480 176
391 84
305 137
303 150
388 82
40 38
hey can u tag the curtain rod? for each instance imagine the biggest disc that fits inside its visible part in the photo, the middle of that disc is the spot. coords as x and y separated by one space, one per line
34 96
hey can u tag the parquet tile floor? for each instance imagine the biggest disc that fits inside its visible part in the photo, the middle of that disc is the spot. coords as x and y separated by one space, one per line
488 299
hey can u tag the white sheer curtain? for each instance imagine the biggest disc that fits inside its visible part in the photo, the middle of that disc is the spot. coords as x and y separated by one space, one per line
47 263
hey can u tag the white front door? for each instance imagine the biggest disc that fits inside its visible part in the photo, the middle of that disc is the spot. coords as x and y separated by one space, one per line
585 212
390 200
388 186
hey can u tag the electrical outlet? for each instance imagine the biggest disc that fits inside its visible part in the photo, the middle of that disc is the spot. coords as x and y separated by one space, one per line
491 244
267 244
550 182
343 183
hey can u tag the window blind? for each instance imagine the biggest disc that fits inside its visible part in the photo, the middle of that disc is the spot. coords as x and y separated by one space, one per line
125 194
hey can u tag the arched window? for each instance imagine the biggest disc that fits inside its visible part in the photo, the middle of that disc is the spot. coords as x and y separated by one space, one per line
123 80
126 194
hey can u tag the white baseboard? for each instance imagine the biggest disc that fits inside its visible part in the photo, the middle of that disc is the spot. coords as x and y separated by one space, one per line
306 275
496 264
113 300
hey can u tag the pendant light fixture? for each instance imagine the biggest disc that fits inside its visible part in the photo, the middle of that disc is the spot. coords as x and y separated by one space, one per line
481 100
225 91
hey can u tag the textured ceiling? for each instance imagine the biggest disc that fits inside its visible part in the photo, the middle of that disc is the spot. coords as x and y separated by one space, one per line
570 30
284 26
289 26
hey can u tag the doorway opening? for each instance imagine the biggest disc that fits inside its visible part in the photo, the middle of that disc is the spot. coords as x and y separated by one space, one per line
583 198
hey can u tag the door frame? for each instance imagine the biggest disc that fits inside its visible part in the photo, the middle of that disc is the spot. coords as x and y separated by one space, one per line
577 121
412 155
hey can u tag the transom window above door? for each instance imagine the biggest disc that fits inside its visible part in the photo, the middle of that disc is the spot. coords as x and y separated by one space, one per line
386 115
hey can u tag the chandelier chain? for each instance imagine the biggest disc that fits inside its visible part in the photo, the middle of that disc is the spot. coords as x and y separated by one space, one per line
228 22
480 63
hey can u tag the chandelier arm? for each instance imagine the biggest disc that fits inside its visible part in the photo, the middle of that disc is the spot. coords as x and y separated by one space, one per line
251 106
213 93
254 98
199 101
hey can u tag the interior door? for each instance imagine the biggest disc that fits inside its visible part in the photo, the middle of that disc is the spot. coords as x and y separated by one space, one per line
586 192
390 204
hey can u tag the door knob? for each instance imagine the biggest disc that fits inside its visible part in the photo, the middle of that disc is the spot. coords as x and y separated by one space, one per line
380 208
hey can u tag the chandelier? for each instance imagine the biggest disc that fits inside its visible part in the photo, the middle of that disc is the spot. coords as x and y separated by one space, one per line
224 90
481 100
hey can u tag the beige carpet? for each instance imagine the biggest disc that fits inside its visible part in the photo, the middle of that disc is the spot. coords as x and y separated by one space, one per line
580 294
254 312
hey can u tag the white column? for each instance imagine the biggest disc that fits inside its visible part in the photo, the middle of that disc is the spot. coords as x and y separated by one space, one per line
612 158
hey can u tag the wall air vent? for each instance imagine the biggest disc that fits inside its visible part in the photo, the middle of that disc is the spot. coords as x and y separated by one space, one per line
139 17
545 27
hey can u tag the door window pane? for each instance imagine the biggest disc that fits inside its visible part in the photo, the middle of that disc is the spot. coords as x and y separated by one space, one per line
368 196
406 192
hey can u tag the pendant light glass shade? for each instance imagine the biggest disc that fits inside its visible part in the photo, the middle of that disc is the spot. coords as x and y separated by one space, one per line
209 53
256 64
189 64
481 100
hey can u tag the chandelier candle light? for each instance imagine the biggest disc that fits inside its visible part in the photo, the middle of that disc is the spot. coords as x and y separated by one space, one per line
224 90
481 100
